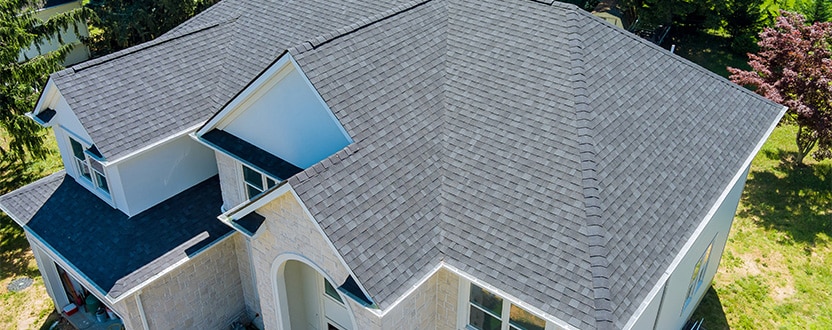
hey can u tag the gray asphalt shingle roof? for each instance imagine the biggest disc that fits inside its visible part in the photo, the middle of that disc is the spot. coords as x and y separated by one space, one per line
115 252
523 143
529 144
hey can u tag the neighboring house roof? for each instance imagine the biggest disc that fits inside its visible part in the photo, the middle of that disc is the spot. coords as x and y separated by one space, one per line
115 252
531 145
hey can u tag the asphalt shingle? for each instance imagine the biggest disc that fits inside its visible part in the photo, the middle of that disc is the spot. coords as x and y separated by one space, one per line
115 252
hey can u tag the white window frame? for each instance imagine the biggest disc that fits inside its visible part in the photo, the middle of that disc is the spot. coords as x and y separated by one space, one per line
700 269
465 305
266 181
85 164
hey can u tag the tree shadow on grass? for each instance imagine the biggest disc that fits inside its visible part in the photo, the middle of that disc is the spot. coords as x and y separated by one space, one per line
797 202
14 249
711 310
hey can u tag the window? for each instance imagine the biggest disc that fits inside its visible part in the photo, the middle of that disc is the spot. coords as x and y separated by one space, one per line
88 168
488 311
698 275
80 159
332 292
255 182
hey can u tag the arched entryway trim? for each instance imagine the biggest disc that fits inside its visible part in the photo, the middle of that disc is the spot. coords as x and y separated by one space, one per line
279 287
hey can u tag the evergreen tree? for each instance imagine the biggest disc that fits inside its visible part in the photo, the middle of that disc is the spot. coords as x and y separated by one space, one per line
22 81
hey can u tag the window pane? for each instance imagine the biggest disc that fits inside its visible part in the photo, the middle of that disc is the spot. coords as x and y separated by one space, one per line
77 149
83 168
483 321
253 178
487 300
251 191
101 182
270 183
521 319
330 291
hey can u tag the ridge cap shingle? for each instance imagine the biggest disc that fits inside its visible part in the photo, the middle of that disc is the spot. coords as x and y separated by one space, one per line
596 234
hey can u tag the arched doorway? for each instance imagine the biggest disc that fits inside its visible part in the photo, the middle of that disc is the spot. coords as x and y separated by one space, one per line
308 300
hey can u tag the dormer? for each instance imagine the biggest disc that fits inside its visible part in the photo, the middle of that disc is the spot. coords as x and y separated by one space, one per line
274 128
133 183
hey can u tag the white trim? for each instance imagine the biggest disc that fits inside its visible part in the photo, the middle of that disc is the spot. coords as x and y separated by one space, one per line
276 277
258 87
506 297
140 306
171 268
154 145
46 96
702 225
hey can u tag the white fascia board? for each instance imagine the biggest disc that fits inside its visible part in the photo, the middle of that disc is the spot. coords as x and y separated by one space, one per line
49 92
248 206
246 95
336 252
657 288
154 145
169 269
245 208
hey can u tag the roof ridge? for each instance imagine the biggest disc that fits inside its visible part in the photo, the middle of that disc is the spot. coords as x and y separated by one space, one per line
140 47
362 23
34 185
596 233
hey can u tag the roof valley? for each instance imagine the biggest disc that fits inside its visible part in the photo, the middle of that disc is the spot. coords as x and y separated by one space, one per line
595 231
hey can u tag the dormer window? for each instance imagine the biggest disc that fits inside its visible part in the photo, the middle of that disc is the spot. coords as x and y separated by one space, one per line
88 168
255 182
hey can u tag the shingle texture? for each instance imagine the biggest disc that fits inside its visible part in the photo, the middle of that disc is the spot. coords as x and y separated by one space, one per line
530 145
527 143
115 252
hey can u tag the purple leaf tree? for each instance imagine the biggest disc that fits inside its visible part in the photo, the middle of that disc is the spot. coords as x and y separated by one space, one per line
794 68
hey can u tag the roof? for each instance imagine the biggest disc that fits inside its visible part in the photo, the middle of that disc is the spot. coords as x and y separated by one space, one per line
136 97
500 137
115 252
262 160
529 144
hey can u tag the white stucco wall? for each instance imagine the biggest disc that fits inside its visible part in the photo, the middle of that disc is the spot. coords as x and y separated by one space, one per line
665 309
287 118
157 174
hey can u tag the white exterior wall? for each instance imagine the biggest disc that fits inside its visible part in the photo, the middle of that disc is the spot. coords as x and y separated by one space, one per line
665 309
153 176
287 118
79 54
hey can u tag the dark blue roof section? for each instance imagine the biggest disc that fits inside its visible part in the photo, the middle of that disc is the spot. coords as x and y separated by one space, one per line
115 252
251 222
46 115
259 158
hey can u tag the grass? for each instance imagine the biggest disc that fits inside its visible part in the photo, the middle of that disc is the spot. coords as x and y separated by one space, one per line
30 308
775 272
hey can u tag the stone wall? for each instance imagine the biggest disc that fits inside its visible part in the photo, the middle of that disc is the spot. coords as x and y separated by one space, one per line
229 172
204 293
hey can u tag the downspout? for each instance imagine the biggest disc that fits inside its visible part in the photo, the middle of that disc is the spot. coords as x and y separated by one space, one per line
141 310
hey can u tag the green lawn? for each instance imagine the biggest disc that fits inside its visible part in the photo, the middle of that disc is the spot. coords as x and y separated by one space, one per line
29 308
776 272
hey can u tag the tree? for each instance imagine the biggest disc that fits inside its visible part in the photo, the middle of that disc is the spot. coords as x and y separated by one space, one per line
21 81
793 67
125 23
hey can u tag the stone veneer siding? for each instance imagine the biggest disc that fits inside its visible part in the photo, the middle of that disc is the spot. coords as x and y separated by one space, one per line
288 229
204 293
229 172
